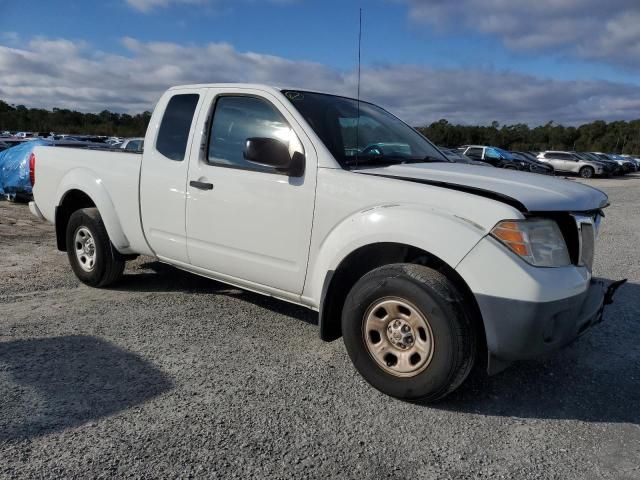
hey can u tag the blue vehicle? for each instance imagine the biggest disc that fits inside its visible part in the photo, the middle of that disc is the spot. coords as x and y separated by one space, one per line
14 170
494 156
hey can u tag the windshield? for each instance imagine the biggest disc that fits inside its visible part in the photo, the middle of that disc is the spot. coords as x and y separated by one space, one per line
519 156
504 154
585 157
590 157
375 138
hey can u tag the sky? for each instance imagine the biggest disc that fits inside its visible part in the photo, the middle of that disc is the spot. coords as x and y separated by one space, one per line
468 61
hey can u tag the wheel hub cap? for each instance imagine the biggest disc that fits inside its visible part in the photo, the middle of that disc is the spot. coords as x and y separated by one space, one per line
85 248
398 337
400 334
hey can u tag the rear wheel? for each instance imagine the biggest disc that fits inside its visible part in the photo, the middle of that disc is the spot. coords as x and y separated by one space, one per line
407 332
587 172
93 258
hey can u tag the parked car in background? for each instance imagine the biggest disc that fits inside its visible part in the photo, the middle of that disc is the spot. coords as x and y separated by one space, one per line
634 159
626 165
494 156
114 141
15 179
535 166
458 157
13 141
569 163
615 168
132 144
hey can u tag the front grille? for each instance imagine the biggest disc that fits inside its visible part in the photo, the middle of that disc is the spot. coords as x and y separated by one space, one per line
587 244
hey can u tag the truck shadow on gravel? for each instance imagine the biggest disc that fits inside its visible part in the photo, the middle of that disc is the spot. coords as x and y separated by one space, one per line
50 384
596 379
165 278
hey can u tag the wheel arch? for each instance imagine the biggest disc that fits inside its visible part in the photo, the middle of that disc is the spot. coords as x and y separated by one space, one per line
72 201
81 189
339 282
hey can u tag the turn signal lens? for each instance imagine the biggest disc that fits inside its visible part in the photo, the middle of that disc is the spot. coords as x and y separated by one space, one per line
538 241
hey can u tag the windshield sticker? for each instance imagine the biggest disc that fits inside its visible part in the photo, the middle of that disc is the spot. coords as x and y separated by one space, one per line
294 95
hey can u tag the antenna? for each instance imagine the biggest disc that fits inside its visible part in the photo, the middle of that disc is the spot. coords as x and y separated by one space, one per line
358 94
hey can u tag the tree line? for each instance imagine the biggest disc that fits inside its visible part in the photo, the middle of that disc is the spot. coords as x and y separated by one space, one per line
599 136
60 120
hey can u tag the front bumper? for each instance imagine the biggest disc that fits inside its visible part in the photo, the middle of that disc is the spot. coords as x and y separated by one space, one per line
530 329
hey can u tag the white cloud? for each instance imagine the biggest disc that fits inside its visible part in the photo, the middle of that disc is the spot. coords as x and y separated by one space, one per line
148 6
607 31
62 73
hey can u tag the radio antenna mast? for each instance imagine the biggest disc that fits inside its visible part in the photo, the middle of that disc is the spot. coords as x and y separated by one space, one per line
358 94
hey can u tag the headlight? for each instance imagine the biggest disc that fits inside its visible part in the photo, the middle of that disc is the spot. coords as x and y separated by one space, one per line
538 241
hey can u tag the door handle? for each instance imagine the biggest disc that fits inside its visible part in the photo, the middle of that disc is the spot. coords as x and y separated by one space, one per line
201 185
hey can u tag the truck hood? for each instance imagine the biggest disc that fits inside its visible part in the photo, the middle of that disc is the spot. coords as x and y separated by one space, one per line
528 192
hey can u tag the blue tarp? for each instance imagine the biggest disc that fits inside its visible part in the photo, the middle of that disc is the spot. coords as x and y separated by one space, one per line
14 167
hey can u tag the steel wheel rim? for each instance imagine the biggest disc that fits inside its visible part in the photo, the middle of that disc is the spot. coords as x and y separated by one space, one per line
85 248
398 337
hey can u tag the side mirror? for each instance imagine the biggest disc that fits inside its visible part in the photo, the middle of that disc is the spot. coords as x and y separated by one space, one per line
274 153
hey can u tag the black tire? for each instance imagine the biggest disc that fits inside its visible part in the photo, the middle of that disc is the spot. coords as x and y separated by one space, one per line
439 301
109 263
587 172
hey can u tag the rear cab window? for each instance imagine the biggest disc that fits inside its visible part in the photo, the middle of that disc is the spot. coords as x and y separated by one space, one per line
173 134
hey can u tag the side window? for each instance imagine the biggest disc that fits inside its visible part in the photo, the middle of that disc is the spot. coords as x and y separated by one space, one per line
474 152
235 119
176 123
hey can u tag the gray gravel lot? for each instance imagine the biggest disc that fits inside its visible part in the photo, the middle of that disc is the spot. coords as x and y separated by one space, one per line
171 375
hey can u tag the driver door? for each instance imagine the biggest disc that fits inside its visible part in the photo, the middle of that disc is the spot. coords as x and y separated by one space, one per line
248 223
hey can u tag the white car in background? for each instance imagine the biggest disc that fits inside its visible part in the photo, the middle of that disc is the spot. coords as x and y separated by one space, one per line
132 144
114 141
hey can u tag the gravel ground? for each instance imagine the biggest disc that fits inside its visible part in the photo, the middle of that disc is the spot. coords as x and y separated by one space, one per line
171 375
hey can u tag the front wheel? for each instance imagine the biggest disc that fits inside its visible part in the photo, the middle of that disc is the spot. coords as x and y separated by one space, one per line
587 172
93 258
407 332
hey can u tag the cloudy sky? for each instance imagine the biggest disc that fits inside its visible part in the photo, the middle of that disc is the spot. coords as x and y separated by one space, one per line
470 61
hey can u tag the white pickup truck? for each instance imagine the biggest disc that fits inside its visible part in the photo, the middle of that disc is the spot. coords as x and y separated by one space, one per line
424 267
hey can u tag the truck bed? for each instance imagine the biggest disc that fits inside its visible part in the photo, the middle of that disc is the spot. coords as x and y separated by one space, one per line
112 175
